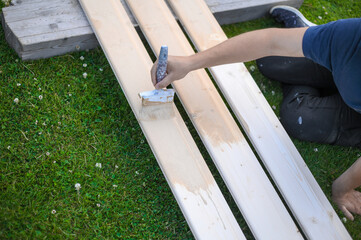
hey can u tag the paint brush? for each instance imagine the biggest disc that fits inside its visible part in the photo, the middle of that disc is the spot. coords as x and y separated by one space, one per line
161 95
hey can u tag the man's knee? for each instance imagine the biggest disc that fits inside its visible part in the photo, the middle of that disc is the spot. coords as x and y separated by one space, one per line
304 121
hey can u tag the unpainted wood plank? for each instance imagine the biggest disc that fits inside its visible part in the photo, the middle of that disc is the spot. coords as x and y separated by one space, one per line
249 185
31 7
303 195
50 24
59 47
49 11
47 39
181 162
9 35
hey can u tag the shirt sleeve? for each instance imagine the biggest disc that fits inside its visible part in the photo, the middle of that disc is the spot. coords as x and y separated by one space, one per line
337 46
332 45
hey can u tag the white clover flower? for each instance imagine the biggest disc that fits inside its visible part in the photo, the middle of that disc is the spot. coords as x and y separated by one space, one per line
252 68
344 220
98 205
59 123
36 122
70 94
98 165
85 75
116 166
9 147
315 149
82 58
54 162
115 186
35 79
40 133
319 17
53 211
101 69
273 93
77 186
18 84
40 97
47 153
70 171
85 65
16 100
44 123
39 88
136 172
68 85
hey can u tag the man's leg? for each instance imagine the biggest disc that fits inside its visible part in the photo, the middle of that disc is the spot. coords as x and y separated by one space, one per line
306 115
296 71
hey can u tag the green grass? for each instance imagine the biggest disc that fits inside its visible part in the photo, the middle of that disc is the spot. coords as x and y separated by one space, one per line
48 145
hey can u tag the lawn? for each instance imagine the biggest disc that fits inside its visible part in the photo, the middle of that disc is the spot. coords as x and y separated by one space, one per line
74 163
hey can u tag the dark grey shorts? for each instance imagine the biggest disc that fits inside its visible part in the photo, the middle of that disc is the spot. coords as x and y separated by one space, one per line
312 109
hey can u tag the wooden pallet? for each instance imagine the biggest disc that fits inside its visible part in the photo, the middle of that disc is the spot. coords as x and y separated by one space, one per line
303 195
181 162
41 29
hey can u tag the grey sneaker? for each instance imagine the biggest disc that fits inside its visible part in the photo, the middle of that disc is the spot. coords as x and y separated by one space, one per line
291 17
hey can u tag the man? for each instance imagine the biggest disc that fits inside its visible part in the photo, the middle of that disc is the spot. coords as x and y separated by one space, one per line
320 70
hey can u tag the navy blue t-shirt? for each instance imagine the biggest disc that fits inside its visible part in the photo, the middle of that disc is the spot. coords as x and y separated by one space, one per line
337 46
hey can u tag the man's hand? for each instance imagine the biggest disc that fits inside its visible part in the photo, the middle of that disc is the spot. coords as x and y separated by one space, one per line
177 68
349 202
344 193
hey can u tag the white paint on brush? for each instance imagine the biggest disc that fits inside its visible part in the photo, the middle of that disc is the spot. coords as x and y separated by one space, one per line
157 96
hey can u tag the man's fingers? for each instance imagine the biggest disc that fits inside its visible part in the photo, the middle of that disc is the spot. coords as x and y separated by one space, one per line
346 212
153 73
164 83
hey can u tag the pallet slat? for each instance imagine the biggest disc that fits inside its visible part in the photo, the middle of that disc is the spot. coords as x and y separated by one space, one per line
305 198
249 185
188 176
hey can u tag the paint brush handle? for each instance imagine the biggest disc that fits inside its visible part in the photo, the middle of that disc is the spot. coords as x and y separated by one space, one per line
162 63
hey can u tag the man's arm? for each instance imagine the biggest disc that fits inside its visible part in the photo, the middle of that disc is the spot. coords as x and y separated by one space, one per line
242 48
344 193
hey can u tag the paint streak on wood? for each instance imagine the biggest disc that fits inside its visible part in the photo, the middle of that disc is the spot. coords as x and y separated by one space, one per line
294 180
187 174
249 185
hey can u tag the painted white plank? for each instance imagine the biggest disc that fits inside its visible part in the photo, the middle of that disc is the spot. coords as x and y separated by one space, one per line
249 185
289 171
187 174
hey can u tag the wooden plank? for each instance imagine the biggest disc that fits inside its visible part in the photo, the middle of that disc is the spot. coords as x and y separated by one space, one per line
241 171
305 198
188 176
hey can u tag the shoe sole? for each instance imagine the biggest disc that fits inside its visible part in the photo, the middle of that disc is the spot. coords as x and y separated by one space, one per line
295 11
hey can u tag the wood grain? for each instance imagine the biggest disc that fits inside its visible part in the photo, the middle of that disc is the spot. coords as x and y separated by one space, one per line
240 169
303 195
189 178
